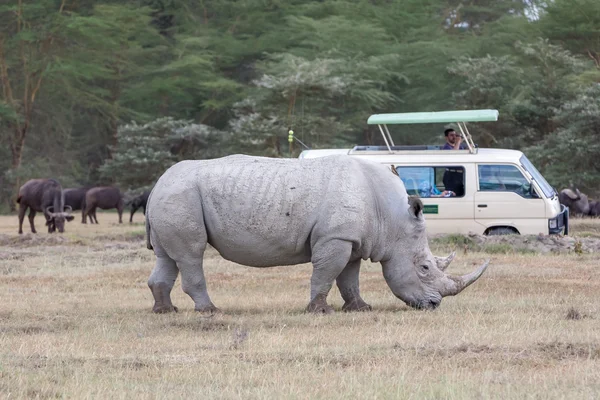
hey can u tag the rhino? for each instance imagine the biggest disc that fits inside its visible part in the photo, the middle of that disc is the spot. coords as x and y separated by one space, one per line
576 201
261 212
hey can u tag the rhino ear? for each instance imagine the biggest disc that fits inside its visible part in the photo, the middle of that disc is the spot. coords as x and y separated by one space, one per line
415 206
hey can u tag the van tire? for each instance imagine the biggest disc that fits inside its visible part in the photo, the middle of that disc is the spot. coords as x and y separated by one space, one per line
502 230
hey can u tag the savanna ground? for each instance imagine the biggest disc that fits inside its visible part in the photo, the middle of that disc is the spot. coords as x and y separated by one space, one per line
75 322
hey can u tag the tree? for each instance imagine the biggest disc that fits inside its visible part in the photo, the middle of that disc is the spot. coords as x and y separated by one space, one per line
28 44
570 154
144 152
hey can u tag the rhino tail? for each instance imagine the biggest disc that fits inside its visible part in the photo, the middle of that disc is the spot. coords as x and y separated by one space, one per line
148 243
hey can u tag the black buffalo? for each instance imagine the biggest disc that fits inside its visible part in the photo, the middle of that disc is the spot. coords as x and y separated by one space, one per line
75 197
594 209
139 202
104 197
43 195
576 201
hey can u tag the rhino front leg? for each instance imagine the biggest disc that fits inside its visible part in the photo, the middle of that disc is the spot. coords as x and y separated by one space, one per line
161 283
348 284
328 262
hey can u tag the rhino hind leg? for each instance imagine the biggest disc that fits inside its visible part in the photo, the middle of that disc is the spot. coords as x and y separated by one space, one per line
329 260
161 283
193 284
347 282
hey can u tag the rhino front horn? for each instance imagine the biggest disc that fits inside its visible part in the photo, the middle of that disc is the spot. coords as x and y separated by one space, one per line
458 284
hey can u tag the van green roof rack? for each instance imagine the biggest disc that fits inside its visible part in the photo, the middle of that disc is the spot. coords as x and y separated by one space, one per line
460 117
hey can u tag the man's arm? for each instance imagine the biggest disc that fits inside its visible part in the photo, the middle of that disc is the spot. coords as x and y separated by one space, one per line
458 143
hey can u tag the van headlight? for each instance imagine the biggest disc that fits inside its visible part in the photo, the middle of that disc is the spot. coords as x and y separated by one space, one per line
553 224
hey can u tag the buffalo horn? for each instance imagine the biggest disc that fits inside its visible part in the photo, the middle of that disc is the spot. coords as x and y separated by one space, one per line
456 284
68 209
48 210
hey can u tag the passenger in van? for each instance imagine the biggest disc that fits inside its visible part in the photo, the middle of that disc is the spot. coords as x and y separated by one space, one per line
453 141
428 190
454 181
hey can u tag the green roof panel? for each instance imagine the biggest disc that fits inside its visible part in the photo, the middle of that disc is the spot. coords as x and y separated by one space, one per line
434 117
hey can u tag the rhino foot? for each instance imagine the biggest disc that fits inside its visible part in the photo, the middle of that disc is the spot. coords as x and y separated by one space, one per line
209 310
357 305
161 309
319 306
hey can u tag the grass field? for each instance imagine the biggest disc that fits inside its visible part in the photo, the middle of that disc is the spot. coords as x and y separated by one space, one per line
76 322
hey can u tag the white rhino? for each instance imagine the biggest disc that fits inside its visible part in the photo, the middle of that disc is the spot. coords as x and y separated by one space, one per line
263 212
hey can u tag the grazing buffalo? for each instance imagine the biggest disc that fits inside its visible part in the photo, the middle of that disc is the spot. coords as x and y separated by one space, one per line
75 197
43 195
332 211
104 197
576 201
139 202
594 209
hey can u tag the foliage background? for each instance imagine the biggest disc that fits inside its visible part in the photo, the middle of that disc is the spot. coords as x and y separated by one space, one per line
101 91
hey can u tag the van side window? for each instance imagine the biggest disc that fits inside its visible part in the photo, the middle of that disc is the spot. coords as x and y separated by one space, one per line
504 178
433 181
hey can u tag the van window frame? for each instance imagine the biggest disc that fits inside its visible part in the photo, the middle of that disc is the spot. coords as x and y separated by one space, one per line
532 190
438 172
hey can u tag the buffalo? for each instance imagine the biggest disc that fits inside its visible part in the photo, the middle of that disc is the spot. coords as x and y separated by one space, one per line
594 209
43 195
75 197
139 202
576 201
104 197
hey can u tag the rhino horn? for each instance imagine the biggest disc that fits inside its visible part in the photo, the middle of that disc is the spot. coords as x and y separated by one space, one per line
456 284
443 262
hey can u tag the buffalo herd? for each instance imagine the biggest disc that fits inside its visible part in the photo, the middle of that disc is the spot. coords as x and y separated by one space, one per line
57 204
578 203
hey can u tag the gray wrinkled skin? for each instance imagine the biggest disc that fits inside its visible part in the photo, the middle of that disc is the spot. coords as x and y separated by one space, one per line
262 212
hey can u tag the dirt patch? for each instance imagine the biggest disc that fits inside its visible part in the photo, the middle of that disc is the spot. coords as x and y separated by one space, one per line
32 239
524 244
551 350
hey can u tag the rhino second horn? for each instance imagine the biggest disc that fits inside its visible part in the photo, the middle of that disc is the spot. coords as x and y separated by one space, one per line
443 262
458 283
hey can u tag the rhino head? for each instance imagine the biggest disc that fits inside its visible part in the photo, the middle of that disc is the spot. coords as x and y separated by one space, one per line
415 275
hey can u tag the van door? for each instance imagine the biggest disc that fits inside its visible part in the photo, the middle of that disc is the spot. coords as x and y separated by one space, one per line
506 197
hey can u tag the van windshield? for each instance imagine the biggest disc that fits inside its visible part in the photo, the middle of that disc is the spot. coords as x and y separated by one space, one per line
544 185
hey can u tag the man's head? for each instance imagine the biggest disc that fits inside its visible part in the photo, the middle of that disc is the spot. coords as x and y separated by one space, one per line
450 135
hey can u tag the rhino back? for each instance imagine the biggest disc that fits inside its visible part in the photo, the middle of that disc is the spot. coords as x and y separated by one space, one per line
261 211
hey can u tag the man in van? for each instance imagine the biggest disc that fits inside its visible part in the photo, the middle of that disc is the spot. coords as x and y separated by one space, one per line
453 140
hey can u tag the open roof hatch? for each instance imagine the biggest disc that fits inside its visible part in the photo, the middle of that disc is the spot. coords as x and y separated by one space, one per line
458 117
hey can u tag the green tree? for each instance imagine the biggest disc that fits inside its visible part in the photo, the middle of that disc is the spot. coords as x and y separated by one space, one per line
143 152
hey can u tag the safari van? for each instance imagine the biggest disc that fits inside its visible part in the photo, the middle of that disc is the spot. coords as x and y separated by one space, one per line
481 190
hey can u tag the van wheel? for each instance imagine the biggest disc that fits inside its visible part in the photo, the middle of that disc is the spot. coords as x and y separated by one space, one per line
502 231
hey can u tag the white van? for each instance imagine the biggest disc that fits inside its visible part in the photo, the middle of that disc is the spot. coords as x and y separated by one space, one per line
486 191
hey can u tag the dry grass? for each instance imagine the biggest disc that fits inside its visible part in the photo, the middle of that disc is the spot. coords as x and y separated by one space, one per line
75 322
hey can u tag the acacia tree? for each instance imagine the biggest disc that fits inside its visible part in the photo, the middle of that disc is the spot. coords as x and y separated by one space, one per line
28 43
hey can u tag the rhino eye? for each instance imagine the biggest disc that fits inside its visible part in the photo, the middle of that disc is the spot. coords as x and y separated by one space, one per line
425 267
